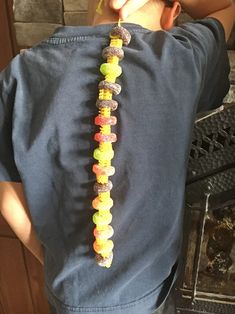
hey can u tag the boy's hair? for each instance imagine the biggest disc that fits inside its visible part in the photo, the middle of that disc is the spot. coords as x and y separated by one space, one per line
169 3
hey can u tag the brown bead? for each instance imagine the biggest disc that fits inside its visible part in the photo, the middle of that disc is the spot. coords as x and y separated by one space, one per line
103 103
122 33
102 188
113 87
113 51
104 261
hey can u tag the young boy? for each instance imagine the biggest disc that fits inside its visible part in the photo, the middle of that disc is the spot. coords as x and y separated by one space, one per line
47 103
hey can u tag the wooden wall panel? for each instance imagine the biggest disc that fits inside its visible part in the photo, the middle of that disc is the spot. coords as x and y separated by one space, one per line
14 286
10 15
5 230
8 45
36 281
6 53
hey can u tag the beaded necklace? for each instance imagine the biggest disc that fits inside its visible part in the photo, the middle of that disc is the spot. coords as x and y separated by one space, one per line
102 246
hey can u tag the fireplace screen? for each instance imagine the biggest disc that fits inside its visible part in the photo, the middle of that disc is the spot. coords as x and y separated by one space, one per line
208 281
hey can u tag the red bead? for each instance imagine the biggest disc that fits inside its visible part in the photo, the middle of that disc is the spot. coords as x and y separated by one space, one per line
101 120
99 137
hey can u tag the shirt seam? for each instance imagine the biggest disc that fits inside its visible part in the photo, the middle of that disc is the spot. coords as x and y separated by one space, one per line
63 39
143 299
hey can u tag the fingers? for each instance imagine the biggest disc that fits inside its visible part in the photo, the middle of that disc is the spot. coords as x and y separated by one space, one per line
130 7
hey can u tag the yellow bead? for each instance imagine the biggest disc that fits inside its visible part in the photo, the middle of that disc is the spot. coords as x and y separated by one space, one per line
113 60
105 146
110 78
105 129
107 94
105 112
103 155
112 69
100 241
106 205
102 179
104 196
102 219
116 42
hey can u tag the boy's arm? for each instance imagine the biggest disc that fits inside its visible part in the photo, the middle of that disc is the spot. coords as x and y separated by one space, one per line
223 10
13 208
227 18
199 9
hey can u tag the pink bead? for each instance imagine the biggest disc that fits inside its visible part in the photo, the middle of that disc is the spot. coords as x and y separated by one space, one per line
103 171
101 120
104 233
99 137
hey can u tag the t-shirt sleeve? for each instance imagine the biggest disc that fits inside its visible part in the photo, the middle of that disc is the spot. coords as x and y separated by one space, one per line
210 50
8 169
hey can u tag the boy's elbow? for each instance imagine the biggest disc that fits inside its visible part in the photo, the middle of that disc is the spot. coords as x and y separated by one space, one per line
228 4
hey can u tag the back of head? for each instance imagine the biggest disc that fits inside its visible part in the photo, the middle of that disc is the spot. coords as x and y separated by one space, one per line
154 14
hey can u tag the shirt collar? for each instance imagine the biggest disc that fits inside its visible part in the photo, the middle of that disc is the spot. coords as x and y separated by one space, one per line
100 29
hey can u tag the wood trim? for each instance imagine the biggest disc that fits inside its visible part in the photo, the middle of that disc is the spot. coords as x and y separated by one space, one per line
8 46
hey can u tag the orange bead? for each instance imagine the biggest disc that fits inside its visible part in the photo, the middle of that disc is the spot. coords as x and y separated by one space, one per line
103 248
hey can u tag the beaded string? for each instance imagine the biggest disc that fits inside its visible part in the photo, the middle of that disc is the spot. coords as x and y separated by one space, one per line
102 245
99 7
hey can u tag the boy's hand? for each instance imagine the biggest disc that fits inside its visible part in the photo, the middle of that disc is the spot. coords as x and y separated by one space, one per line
126 7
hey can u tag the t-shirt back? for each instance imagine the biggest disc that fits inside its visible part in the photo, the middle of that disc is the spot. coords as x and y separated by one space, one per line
47 111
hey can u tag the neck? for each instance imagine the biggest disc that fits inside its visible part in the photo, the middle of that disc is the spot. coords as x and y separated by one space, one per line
148 17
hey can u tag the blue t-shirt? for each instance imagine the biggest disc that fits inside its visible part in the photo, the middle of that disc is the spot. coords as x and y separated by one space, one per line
47 111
